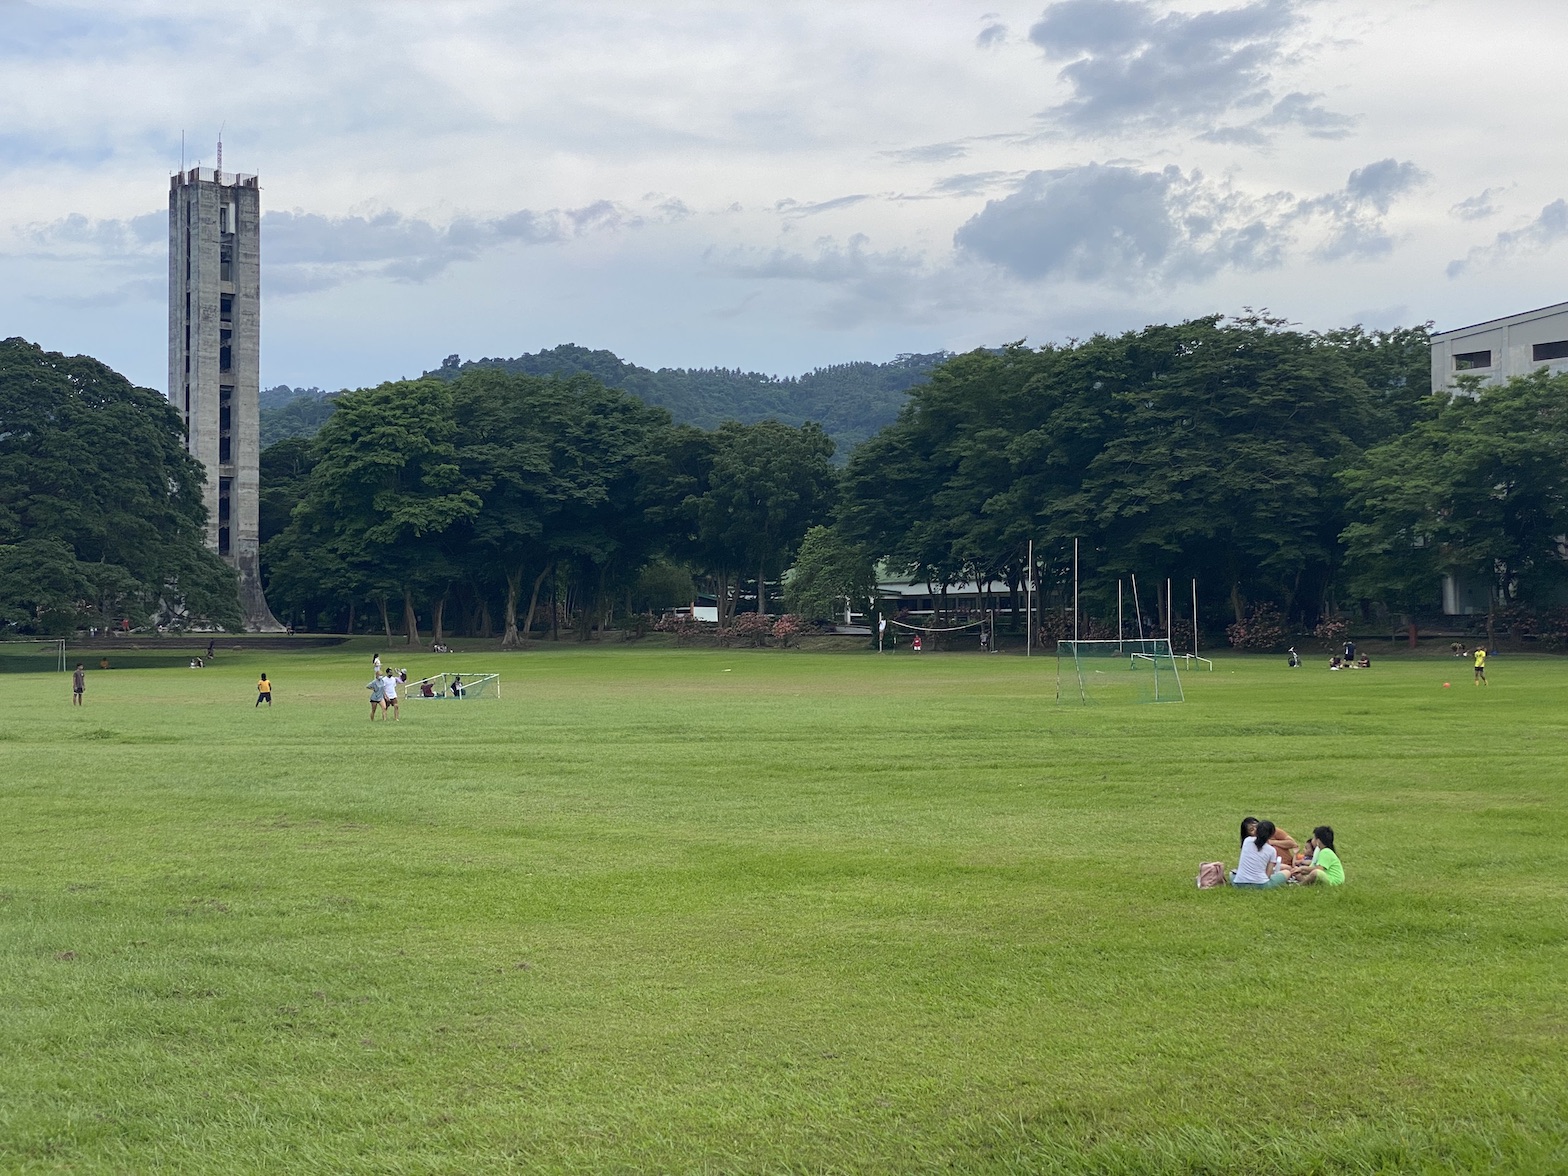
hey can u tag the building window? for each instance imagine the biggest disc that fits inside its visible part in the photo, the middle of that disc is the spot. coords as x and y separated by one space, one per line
225 359
225 306
1542 352
226 264
1464 361
225 491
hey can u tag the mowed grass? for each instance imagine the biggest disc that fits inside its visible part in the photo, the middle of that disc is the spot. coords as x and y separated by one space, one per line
665 910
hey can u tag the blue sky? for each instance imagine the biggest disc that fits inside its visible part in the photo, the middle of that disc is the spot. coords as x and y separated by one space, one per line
780 186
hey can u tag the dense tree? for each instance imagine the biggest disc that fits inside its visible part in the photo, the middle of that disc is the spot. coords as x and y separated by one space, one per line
1205 449
385 486
768 484
1479 488
101 511
561 466
829 574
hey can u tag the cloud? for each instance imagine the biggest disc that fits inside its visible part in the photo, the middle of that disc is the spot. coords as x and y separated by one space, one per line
796 208
1132 66
994 33
1118 224
303 252
1123 225
1477 207
865 283
973 183
1294 109
1355 214
928 153
1550 227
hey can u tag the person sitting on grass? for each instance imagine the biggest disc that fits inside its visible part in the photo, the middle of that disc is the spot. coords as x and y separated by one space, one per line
1259 867
1333 662
1325 866
1284 844
1363 662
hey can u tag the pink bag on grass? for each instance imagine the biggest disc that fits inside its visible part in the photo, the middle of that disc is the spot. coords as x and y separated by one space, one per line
1210 875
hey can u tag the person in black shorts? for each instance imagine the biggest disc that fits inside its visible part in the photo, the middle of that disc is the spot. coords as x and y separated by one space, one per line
78 684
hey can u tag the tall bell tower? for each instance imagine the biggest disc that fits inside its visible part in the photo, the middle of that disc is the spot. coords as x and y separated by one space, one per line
215 359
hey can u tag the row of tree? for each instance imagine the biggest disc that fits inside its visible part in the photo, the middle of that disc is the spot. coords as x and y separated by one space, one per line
1304 475
493 493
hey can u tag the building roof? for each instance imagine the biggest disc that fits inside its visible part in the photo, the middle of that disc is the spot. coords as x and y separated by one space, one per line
1506 320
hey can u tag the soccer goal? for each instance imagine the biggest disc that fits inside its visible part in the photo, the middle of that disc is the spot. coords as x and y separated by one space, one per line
455 686
32 654
1140 670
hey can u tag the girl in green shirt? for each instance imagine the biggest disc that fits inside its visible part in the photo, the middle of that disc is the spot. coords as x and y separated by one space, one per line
1325 866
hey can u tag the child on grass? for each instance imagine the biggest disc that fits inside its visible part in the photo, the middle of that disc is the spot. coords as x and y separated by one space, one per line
1259 867
1325 866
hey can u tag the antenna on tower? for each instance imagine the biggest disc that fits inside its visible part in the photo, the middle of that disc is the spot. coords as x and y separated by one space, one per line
182 151
219 176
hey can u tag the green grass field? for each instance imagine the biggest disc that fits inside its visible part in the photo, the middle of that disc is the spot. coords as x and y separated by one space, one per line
673 910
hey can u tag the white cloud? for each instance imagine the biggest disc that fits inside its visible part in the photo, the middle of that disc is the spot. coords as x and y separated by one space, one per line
1545 231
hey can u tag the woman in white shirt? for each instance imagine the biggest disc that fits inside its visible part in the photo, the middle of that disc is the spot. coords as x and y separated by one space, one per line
1259 867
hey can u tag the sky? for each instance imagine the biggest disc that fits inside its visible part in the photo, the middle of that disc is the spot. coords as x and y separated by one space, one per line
779 186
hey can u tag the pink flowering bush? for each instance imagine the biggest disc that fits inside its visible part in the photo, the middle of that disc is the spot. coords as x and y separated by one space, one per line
787 628
1263 629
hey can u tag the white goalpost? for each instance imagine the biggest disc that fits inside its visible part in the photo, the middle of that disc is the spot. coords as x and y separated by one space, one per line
1129 670
456 686
52 647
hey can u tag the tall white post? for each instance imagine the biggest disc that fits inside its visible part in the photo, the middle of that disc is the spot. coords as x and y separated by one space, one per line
1170 617
1029 605
1136 607
1195 617
1120 631
1075 590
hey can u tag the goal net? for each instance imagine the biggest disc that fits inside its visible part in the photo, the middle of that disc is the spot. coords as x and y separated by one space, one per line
1140 670
457 686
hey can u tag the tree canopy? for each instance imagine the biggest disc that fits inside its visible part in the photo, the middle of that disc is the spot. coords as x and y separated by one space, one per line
101 511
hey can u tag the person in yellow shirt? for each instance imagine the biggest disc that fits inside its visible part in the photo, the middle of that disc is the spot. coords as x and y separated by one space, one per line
1480 666
264 692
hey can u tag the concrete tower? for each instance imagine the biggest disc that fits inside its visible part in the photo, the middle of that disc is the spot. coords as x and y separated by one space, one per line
215 359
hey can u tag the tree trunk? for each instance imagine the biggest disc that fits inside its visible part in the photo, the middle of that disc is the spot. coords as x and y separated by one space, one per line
762 590
555 603
437 613
514 584
1237 605
485 627
349 632
533 601
410 621
386 621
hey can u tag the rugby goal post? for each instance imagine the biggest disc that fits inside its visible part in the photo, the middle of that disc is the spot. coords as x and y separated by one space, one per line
1137 670
455 686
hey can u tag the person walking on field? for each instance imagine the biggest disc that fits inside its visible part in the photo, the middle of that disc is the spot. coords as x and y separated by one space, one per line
264 692
1480 666
389 693
78 684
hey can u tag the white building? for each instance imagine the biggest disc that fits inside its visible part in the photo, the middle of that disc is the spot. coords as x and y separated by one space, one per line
1496 351
1501 348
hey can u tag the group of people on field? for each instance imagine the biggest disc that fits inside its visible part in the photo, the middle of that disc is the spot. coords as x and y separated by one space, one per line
1271 857
383 687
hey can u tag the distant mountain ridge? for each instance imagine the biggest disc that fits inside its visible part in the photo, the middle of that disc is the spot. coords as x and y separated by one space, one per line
850 400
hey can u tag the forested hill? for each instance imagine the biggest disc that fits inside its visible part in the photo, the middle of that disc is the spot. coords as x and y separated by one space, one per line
849 400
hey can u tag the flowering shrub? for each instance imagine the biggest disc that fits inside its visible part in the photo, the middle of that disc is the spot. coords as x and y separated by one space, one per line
683 628
1332 632
1263 629
750 630
787 628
